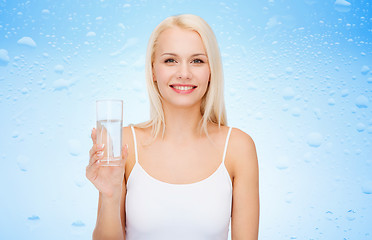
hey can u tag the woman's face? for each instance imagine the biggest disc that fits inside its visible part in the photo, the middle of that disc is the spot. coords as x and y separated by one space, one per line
181 67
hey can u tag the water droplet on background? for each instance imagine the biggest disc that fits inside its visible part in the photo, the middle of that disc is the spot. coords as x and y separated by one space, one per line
288 93
272 76
59 69
61 84
78 223
342 6
360 127
25 91
344 93
317 113
4 57
314 139
331 102
23 163
282 163
15 134
91 34
289 70
361 102
259 116
74 147
78 228
45 11
350 215
80 181
308 157
296 112
34 218
33 222
369 129
367 187
329 215
27 41
289 197
365 70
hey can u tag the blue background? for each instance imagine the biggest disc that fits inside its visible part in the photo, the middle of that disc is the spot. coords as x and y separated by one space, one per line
298 79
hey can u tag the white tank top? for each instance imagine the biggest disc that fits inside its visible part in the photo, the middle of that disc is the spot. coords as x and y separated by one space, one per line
156 210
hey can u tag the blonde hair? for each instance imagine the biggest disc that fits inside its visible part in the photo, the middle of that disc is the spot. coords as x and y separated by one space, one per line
213 105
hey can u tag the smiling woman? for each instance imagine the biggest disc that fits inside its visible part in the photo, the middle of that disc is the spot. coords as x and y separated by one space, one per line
212 105
191 180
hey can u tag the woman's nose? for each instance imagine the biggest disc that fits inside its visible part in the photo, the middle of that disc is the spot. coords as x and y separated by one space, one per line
184 72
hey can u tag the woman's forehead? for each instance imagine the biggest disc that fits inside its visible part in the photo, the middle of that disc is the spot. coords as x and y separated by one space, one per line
180 41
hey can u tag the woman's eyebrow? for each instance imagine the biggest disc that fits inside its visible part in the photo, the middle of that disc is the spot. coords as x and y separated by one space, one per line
193 55
172 54
199 54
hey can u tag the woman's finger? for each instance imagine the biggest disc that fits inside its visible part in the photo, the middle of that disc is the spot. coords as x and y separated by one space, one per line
124 154
92 151
95 157
92 170
95 148
93 135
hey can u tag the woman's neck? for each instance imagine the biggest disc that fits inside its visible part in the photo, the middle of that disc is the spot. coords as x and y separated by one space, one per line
182 124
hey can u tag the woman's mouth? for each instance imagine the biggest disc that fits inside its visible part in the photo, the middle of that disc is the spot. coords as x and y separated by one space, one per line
183 88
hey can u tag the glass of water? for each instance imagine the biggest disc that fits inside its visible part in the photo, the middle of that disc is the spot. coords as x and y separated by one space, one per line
109 130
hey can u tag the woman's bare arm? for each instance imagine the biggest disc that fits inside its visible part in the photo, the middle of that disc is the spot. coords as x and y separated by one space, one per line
109 221
111 183
245 205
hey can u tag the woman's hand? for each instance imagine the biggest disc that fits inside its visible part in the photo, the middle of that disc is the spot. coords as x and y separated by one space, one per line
107 179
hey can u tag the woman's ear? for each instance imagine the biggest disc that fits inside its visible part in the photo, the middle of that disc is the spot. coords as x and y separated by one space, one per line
153 73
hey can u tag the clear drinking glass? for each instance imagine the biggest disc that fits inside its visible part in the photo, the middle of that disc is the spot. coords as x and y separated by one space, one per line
109 130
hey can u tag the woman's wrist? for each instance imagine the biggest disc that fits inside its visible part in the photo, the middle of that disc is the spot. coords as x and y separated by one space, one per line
111 198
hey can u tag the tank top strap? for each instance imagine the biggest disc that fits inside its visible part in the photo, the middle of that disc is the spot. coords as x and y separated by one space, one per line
226 144
135 142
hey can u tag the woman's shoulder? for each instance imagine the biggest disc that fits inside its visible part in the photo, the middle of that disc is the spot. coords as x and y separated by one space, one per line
236 136
238 139
242 148
239 136
139 130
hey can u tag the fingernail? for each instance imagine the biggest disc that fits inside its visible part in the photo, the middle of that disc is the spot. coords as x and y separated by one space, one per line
102 146
126 146
100 153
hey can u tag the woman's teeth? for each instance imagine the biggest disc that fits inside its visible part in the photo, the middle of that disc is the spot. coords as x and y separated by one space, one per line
183 88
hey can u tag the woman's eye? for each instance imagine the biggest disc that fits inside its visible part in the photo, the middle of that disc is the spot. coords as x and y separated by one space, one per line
170 61
197 61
